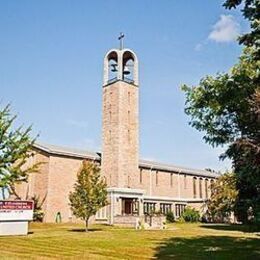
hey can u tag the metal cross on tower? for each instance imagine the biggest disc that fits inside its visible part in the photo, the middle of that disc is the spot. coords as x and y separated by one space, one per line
120 38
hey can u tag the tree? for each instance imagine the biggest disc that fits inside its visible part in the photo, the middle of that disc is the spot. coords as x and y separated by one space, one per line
15 149
226 109
223 197
89 193
251 12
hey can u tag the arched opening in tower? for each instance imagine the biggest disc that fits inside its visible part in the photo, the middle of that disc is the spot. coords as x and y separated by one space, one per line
113 66
128 67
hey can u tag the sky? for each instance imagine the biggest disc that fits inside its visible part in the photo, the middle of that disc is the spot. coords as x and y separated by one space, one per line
51 64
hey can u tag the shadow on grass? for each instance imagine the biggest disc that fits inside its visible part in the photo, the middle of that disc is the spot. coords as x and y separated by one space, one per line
233 227
84 230
209 247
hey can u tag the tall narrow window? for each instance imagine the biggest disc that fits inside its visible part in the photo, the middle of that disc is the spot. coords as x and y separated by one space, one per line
185 181
171 179
156 178
128 136
110 113
200 187
194 187
141 175
128 117
206 188
128 97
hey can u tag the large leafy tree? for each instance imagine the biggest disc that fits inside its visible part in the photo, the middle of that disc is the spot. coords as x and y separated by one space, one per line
226 108
89 193
250 10
15 149
223 197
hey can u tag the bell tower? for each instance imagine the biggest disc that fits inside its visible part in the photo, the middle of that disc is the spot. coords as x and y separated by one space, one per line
120 126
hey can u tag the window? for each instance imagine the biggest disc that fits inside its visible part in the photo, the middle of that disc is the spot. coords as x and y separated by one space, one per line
128 117
110 116
149 207
165 208
128 97
206 189
156 178
102 213
141 175
179 208
110 113
200 187
185 181
128 136
171 179
194 187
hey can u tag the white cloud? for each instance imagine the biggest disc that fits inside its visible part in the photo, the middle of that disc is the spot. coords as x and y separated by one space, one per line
225 30
78 124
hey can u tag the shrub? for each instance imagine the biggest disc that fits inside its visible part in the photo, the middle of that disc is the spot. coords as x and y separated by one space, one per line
38 213
190 215
170 217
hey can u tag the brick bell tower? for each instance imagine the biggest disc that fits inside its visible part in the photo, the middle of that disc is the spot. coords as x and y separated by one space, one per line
120 129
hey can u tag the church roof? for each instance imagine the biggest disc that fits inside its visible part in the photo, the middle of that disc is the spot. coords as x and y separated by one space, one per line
84 154
174 168
66 151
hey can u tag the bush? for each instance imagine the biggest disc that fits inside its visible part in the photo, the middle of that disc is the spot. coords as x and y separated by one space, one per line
38 213
190 215
170 217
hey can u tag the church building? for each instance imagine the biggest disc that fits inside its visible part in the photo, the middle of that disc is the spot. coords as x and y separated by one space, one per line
135 187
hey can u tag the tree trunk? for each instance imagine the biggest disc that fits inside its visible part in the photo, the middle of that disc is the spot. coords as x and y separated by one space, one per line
13 192
87 224
3 193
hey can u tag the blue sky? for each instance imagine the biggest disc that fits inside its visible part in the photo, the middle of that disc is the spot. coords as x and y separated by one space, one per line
51 55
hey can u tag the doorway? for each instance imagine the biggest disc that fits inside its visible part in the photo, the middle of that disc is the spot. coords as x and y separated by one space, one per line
130 206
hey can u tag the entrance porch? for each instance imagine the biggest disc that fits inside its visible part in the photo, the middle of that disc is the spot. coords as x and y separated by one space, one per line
126 205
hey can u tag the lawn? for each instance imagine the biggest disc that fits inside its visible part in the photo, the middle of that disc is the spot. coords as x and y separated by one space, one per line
179 241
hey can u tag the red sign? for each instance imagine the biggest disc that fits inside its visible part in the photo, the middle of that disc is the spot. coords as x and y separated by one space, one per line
16 205
16 210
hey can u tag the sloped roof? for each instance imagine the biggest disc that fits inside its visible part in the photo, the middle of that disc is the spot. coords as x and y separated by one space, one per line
84 154
66 151
174 168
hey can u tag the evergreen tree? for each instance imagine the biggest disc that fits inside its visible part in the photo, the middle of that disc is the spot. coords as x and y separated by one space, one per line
89 193
15 149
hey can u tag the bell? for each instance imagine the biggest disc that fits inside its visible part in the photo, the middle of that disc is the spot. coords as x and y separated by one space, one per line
126 71
114 67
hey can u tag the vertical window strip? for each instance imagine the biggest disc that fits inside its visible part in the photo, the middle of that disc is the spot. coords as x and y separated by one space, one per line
141 175
200 187
194 187
206 188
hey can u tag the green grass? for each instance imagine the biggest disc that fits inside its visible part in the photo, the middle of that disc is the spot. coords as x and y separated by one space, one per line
179 241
